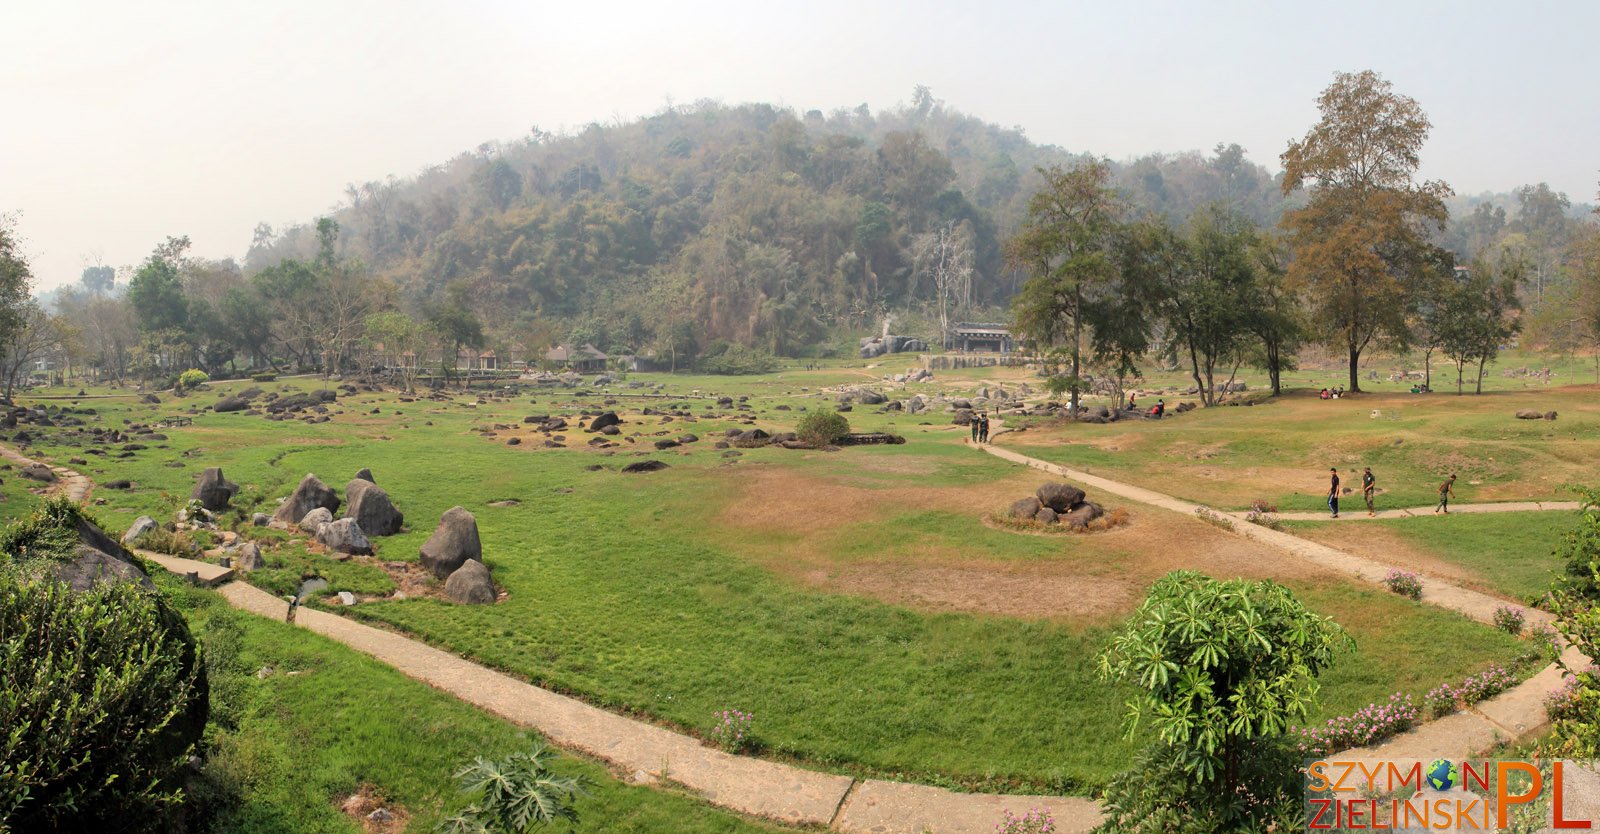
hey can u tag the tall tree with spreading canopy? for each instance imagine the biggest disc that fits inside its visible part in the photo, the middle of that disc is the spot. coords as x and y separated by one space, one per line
1067 245
1363 238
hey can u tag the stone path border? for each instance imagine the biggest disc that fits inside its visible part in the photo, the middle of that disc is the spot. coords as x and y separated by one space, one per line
1357 514
1510 716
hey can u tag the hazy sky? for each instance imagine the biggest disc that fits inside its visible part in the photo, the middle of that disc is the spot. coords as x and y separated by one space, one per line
122 123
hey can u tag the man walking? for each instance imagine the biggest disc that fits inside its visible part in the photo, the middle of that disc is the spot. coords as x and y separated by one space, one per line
983 427
973 422
1369 486
1447 491
1333 491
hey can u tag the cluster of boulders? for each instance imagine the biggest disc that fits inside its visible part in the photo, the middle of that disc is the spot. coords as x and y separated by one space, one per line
454 553
310 406
1057 503
1527 414
914 375
212 494
874 346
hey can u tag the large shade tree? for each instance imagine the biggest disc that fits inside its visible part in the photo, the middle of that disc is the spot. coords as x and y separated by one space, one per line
1365 234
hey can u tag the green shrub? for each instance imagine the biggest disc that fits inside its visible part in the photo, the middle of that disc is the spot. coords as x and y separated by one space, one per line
1220 670
822 427
192 378
733 360
102 697
266 376
514 795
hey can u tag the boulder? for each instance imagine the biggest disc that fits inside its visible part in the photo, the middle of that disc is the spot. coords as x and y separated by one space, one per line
312 521
260 519
344 536
609 418
347 598
1081 514
89 567
963 417
365 474
454 542
666 443
1549 415
141 525
470 584
227 404
1025 508
39 472
1045 515
1058 496
248 557
212 490
309 495
644 466
1526 414
751 438
369 505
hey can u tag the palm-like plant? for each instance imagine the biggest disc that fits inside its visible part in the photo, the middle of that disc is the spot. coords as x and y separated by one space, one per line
514 794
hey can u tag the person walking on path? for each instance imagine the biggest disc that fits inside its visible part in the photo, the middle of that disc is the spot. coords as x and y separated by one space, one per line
973 422
983 427
1333 491
1447 491
1369 486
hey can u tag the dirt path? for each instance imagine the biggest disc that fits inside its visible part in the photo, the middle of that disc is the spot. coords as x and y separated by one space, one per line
1355 514
70 483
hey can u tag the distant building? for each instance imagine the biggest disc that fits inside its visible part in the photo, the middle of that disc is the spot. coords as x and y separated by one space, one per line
583 359
980 337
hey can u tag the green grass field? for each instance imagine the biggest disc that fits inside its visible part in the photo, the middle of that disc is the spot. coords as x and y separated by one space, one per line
678 593
287 746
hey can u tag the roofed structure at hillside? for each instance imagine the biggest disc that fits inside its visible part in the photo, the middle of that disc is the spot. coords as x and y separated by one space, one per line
581 358
980 337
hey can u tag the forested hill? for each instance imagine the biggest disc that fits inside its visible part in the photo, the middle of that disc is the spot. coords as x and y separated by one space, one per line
752 224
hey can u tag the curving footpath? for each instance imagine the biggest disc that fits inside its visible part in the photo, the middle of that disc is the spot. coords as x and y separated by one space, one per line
75 485
1510 716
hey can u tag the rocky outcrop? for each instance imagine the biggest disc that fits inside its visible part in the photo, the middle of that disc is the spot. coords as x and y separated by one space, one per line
454 542
470 584
213 491
1058 496
369 505
309 495
344 536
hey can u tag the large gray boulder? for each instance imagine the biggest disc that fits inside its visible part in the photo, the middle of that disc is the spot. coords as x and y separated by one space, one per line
248 557
365 474
453 543
89 567
309 495
1025 508
142 525
212 490
344 536
370 506
470 584
1081 514
1045 516
312 522
39 472
1059 497
609 418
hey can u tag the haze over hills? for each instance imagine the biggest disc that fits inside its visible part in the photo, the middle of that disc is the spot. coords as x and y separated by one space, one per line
759 225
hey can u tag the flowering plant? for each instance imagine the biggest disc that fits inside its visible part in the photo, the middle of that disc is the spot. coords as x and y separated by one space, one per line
1035 821
1368 725
1405 583
1509 619
732 730
1441 700
1486 684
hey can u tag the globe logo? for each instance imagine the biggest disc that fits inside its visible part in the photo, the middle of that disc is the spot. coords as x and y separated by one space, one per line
1443 774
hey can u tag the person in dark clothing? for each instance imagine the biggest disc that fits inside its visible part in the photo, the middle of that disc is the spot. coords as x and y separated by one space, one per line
1160 409
983 428
1447 491
973 422
1369 486
1333 492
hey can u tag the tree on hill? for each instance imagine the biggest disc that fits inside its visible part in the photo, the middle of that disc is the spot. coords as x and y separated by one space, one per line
1363 239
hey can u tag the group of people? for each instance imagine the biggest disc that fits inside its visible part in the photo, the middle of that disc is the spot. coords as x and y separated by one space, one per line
1369 488
1333 393
980 427
1156 410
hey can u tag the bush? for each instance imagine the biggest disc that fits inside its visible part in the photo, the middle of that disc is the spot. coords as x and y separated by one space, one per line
1405 583
732 730
1370 724
1486 684
1220 760
1036 821
1508 619
822 427
1441 700
266 376
192 378
102 695
514 794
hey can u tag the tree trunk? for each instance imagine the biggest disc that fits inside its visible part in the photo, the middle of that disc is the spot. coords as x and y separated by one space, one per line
1355 369
1427 368
1194 365
1077 338
1482 360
